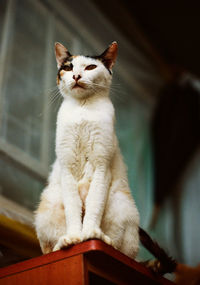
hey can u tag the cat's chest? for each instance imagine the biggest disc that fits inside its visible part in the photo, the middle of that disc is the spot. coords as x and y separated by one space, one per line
71 114
81 126
84 135
79 115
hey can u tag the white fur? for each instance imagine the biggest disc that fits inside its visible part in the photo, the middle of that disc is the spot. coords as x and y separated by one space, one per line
89 171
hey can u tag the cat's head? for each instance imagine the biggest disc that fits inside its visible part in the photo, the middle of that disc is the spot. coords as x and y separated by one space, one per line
82 76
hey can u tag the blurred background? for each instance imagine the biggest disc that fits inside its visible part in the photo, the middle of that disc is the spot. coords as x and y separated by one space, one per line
156 94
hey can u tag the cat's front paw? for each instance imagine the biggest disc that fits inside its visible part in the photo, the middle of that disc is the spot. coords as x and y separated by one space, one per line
96 233
67 240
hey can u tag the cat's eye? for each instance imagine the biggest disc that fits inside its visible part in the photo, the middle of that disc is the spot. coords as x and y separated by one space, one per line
90 67
68 67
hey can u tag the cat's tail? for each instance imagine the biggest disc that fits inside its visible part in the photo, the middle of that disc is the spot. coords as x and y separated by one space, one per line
164 263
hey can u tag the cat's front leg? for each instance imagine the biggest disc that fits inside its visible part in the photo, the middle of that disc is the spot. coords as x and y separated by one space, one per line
73 211
95 205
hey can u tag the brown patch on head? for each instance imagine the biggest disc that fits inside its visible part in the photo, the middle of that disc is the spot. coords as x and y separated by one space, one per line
62 72
61 53
67 62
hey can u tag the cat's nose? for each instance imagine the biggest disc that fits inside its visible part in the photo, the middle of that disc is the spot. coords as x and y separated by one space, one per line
76 77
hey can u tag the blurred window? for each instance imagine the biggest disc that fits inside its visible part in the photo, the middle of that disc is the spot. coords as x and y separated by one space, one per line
28 30
29 97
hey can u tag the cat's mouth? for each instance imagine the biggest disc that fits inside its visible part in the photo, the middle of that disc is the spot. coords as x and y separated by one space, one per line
78 85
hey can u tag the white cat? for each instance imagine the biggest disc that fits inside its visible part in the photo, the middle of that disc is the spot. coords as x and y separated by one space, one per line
88 195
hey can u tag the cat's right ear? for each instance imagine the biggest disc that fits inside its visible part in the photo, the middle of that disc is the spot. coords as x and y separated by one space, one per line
61 54
109 55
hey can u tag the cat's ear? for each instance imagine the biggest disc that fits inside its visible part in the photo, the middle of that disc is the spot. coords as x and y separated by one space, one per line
61 54
109 55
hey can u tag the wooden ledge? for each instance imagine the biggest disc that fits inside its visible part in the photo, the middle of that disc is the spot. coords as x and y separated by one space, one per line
97 258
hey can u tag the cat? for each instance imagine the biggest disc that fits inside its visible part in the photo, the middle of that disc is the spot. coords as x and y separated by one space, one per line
88 194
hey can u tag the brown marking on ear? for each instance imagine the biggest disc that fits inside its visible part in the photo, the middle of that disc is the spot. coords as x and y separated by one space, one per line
62 54
109 55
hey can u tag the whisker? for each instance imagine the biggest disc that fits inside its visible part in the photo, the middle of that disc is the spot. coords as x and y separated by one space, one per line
53 94
117 91
57 104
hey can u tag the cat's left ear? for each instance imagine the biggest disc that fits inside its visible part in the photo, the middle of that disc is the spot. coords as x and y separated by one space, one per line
61 54
109 55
